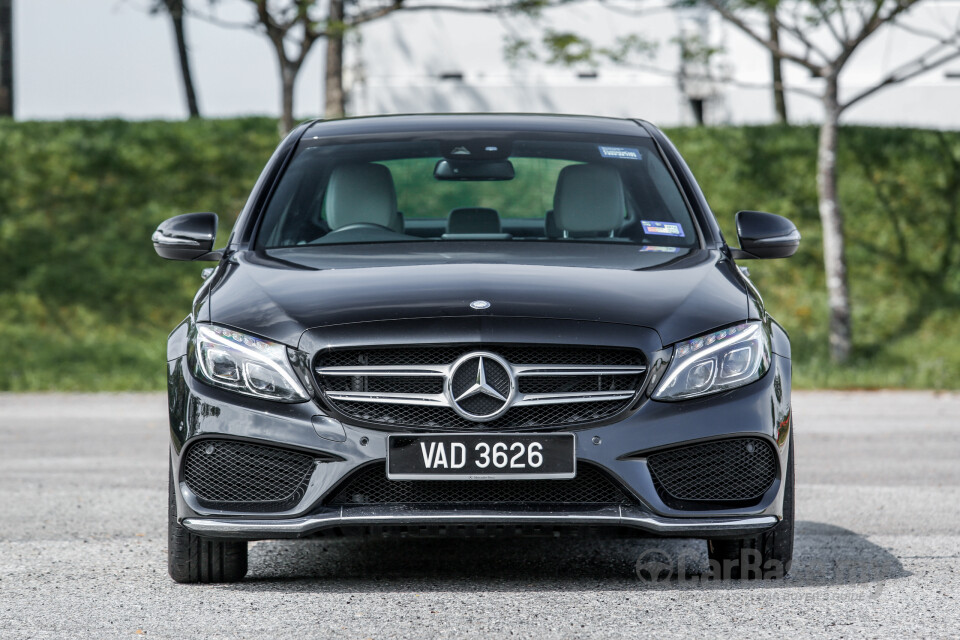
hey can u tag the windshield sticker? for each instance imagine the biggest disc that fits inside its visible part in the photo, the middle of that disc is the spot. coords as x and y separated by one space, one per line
621 153
657 228
658 249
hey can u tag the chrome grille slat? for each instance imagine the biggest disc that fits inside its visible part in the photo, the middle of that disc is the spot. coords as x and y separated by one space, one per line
591 384
575 370
391 398
576 396
396 370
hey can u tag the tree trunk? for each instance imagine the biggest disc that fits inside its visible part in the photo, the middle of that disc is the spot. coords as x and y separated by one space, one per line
831 220
288 81
6 58
779 99
334 99
175 9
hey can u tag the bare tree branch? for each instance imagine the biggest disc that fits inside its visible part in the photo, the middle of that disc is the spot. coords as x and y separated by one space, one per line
218 21
738 22
844 23
809 46
874 22
932 59
826 20
917 31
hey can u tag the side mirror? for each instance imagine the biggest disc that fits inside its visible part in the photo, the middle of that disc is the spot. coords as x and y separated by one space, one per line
765 235
187 237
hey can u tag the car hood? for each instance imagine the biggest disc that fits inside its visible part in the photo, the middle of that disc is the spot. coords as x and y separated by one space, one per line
677 294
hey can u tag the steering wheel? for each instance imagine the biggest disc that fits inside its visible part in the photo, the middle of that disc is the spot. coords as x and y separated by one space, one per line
362 225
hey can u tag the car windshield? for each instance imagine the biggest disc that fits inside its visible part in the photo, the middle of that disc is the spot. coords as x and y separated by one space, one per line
483 186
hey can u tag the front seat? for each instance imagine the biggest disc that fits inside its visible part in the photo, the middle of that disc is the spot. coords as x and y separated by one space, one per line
588 201
361 205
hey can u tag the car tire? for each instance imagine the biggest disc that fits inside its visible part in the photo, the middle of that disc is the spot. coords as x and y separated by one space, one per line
192 558
772 550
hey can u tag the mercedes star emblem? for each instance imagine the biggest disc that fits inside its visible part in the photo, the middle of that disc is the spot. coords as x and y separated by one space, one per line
481 386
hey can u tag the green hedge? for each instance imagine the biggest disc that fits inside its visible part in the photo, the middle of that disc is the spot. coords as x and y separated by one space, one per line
85 304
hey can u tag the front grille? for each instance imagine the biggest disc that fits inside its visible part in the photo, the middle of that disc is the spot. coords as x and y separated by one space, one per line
240 476
370 486
735 470
403 387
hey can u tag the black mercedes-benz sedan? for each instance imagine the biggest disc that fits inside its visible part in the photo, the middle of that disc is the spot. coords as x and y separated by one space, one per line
489 325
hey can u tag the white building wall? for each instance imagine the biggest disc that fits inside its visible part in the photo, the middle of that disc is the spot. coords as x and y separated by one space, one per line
400 62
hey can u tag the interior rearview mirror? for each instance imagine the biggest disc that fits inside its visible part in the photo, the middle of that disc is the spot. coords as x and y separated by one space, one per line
187 237
478 170
765 235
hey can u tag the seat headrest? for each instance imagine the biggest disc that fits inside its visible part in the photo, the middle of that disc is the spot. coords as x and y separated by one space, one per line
398 224
550 228
361 193
473 220
588 199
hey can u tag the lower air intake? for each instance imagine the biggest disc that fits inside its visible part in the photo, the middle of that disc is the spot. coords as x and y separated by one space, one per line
240 476
732 472
371 486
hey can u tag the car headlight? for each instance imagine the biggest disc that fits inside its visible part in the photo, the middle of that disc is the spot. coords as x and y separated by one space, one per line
253 366
718 361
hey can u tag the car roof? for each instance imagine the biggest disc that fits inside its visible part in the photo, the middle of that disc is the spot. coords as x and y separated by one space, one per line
392 124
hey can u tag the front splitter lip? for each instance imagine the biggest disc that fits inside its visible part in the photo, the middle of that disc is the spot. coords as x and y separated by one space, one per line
611 516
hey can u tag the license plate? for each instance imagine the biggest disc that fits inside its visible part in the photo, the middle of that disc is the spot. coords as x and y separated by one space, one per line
481 456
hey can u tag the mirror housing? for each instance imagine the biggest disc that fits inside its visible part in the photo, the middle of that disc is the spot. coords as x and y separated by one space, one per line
765 235
187 237
475 170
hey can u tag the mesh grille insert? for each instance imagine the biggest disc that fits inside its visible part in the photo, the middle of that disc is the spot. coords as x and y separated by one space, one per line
418 418
240 476
445 354
371 486
732 470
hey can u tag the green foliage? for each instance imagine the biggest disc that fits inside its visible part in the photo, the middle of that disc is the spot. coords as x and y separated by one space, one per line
900 196
85 304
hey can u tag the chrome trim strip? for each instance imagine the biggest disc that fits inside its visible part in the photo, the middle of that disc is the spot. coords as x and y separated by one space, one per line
345 516
423 399
569 397
575 370
386 370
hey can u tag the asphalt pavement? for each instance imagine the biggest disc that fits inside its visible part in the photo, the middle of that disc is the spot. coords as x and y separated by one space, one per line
83 546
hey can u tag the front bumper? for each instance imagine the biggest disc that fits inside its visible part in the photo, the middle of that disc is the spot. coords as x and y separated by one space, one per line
620 516
760 409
